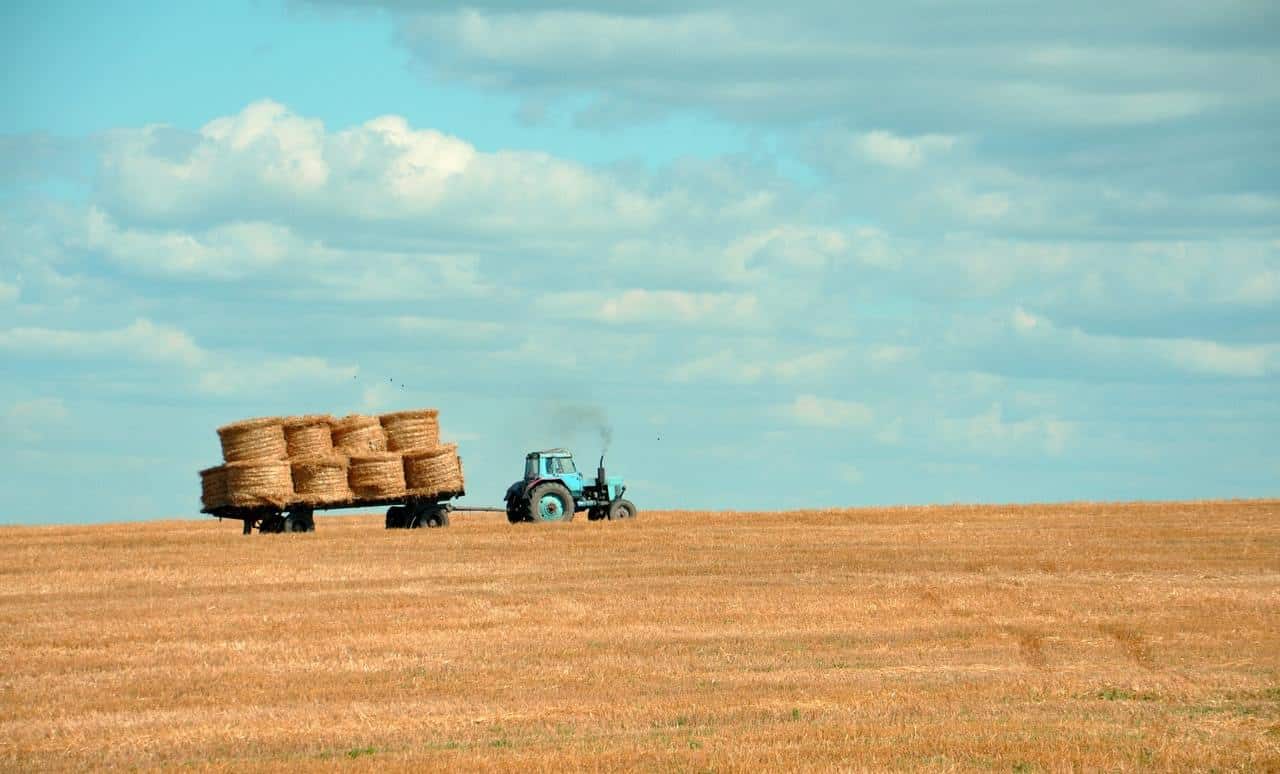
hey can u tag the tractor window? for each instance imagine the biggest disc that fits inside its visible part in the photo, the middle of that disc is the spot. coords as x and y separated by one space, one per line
531 467
566 465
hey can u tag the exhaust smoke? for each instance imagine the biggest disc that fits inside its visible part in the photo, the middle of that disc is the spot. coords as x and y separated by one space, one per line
574 419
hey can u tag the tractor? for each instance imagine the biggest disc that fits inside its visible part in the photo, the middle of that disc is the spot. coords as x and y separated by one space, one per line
553 490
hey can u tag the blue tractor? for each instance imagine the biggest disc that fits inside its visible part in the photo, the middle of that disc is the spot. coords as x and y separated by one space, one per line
553 490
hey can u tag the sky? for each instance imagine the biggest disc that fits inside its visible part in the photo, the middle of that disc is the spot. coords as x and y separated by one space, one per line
772 256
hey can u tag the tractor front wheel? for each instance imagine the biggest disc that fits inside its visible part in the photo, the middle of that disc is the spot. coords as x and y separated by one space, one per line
551 502
621 509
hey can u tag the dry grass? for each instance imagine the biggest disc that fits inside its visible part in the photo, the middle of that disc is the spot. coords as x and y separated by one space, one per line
1117 637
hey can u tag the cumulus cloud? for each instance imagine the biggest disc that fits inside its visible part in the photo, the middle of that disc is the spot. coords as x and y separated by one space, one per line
729 366
218 373
268 163
991 433
891 150
30 420
817 411
141 340
657 307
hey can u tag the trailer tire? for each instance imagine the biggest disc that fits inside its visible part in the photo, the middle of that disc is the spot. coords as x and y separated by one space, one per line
621 509
550 501
396 517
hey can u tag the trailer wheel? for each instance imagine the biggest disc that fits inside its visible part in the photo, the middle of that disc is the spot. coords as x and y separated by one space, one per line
435 518
396 517
551 501
621 509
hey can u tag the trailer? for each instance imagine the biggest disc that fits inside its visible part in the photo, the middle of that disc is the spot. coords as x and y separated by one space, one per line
404 512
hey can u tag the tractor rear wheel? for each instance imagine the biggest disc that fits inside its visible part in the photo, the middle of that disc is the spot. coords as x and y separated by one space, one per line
621 509
551 501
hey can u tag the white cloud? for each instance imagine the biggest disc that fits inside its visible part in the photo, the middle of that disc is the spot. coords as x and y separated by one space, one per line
28 420
141 340
657 306
267 163
454 329
991 433
240 375
1187 355
889 149
828 412
214 373
729 365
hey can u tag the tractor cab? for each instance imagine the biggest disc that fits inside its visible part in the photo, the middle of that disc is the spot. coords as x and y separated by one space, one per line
553 490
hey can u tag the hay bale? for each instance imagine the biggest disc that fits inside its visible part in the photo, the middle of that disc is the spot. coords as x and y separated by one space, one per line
308 436
433 471
253 439
357 434
412 430
213 487
254 483
376 476
321 480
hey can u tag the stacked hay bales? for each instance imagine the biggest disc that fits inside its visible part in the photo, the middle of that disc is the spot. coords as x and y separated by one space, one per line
308 436
377 476
213 487
258 483
318 461
409 431
253 439
432 472
321 480
358 434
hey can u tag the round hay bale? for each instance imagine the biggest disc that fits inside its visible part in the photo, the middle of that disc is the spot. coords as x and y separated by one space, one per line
213 487
433 471
357 434
253 439
376 476
259 482
308 436
412 430
321 480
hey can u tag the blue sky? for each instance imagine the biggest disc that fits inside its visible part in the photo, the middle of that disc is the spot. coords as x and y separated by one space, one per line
913 252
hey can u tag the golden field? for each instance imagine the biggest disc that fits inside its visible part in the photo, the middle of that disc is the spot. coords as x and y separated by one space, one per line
1014 638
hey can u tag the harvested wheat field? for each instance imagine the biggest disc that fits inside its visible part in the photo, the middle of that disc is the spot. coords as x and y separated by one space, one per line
1122 637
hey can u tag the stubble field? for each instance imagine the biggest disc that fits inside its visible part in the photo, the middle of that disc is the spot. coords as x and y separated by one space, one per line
1124 637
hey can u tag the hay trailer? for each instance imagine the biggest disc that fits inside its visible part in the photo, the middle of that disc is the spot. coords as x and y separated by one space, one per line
402 513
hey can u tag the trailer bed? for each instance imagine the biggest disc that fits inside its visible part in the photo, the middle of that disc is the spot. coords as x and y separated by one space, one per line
271 518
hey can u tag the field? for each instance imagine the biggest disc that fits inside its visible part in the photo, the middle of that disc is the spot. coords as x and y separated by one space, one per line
1123 637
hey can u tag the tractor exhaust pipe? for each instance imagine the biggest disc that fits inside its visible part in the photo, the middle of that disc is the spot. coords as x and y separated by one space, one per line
600 478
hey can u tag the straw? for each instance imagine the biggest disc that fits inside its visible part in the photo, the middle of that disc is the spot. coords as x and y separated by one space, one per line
358 434
376 476
308 436
259 482
213 487
253 439
321 480
433 471
412 430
